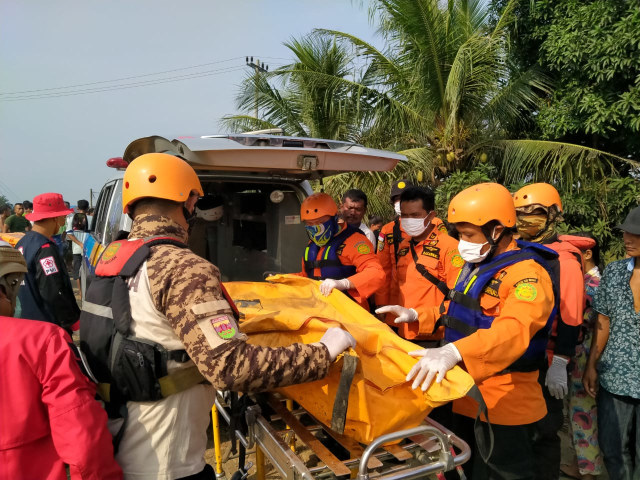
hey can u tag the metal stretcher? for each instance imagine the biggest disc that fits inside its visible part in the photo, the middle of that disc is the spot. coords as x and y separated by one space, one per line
277 432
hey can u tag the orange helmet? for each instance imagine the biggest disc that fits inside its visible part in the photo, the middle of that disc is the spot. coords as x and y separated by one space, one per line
158 175
537 194
318 205
481 204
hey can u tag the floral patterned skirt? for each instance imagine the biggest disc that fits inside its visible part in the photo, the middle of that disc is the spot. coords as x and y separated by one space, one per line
583 419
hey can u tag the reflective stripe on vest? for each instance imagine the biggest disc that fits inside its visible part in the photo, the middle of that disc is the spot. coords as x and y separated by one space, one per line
330 265
465 316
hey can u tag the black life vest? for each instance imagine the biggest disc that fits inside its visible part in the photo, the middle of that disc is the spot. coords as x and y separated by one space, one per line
126 368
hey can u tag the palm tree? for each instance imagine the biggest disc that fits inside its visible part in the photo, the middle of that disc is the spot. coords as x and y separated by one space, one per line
302 98
442 91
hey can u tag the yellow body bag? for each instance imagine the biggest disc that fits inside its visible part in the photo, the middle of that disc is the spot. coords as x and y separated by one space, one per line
289 309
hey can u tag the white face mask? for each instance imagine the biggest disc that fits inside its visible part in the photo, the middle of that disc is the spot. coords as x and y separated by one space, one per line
396 207
470 252
414 227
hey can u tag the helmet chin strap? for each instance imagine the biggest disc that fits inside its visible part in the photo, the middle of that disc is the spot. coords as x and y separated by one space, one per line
493 243
189 217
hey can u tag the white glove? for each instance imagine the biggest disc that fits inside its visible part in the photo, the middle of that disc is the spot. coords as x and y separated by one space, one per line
405 315
337 341
329 284
556 380
434 361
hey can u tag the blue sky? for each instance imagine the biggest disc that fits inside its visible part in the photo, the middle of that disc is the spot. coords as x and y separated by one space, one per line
60 143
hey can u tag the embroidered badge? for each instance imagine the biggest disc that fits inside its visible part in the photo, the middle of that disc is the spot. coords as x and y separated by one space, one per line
223 326
493 287
457 261
442 227
362 248
380 244
525 280
390 238
402 252
433 252
110 252
526 292
340 249
49 265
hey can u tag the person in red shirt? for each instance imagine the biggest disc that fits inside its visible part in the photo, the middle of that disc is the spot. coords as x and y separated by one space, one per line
338 254
428 265
49 417
539 211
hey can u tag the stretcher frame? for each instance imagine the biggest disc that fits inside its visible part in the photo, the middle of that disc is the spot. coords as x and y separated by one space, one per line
428 449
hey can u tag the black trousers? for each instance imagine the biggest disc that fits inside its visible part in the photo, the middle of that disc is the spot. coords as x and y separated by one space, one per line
512 456
207 474
546 442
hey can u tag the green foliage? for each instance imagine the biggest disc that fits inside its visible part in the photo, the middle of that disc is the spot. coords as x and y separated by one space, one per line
592 50
4 200
597 207
459 181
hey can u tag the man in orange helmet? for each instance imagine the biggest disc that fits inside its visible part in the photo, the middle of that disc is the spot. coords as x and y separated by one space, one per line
338 254
539 210
428 265
496 326
389 240
161 333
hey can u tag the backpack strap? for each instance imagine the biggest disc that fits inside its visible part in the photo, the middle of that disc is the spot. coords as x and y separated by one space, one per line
439 284
397 237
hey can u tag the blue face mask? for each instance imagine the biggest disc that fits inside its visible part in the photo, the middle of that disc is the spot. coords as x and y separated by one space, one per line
322 233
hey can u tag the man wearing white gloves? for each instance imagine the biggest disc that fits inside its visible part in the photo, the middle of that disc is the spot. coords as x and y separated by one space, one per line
428 265
338 254
497 323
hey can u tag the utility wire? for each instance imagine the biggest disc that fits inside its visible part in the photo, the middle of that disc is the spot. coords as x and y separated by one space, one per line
122 86
120 79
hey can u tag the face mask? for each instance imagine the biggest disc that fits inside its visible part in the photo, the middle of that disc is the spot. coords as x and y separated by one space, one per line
396 207
470 252
414 227
322 233
530 227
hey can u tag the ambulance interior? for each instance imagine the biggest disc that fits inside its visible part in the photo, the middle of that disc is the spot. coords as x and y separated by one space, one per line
257 230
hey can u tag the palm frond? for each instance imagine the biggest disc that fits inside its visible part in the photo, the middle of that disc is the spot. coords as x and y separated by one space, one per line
564 164
246 123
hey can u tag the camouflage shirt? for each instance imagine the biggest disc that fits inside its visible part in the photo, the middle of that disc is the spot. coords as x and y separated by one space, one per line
186 289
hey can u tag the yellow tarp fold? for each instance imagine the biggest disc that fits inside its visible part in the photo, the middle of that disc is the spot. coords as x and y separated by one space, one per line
288 309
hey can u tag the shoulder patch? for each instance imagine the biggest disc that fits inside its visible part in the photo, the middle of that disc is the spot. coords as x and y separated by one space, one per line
525 280
442 227
111 251
380 244
362 248
223 326
526 292
457 261
48 265
493 287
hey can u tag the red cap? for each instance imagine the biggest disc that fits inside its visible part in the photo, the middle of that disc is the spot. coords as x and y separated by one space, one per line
48 205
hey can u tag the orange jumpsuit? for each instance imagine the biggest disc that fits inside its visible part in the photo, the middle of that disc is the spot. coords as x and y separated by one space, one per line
358 251
520 297
389 294
439 255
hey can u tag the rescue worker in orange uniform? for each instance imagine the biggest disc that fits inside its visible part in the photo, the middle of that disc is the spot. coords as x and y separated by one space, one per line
539 210
389 240
496 325
428 265
338 254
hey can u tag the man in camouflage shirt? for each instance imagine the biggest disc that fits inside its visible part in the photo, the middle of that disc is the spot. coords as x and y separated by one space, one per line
177 300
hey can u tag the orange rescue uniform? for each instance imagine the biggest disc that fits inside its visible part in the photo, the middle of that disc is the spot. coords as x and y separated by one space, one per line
389 294
358 251
438 253
512 398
